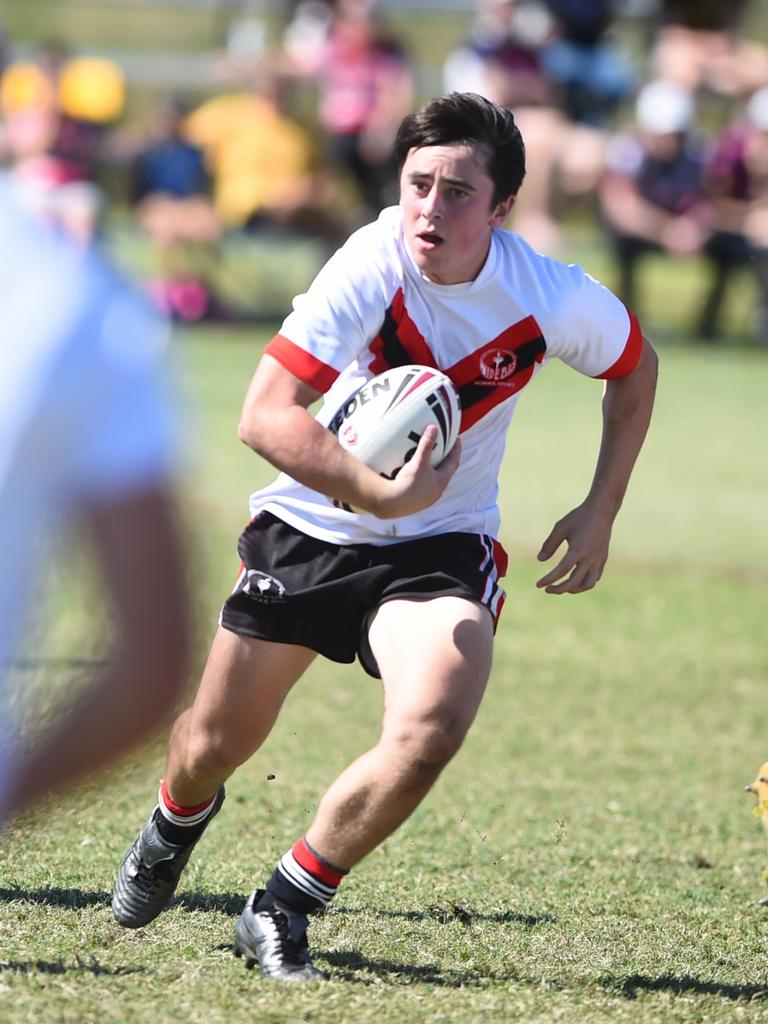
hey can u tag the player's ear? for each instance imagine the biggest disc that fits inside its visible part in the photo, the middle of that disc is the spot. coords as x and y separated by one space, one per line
501 211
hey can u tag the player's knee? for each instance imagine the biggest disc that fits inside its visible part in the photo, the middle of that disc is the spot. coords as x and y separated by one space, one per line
208 753
425 744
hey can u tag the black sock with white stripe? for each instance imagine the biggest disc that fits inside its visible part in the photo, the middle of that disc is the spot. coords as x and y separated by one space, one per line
303 881
180 825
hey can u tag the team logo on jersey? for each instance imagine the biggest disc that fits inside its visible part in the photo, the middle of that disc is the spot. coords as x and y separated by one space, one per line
496 366
260 586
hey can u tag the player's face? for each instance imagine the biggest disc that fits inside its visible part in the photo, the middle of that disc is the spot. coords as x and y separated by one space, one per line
446 195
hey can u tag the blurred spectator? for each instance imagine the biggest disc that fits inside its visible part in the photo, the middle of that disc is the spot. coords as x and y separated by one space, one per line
651 194
32 84
3 48
594 77
502 56
505 59
56 110
593 74
365 87
309 22
91 90
171 189
501 60
264 165
700 45
736 182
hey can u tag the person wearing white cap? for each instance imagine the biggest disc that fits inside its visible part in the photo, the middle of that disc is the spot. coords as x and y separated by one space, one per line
651 197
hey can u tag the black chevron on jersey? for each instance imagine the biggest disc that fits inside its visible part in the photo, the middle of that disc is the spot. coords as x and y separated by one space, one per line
399 340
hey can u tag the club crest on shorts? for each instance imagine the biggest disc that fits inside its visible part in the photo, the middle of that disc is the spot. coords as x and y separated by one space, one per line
260 586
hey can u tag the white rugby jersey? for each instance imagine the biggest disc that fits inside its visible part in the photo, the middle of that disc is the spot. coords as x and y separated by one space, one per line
370 309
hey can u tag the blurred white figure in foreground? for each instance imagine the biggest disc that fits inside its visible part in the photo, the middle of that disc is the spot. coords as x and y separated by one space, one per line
85 437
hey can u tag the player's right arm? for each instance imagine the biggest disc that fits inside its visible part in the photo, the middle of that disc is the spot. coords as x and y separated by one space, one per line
277 425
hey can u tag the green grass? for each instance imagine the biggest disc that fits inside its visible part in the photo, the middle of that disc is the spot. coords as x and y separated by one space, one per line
589 856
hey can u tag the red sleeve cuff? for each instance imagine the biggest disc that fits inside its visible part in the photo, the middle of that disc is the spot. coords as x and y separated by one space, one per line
306 367
629 358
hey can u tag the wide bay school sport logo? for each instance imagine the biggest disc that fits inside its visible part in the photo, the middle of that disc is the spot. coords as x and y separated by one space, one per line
497 365
260 586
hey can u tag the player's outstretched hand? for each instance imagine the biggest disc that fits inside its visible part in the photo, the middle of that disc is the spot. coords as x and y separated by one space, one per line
418 484
587 533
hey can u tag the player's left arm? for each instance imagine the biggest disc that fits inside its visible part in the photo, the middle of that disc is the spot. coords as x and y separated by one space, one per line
586 529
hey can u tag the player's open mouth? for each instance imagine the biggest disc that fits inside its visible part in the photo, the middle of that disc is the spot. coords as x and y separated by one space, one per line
429 240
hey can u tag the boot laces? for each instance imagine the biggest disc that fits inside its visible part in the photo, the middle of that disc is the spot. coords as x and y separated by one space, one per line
288 949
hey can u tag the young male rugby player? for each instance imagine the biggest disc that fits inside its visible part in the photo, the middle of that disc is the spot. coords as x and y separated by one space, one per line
411 584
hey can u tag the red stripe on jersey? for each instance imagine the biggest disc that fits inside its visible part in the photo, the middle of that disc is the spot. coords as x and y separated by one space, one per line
174 808
472 369
302 364
630 357
468 369
304 856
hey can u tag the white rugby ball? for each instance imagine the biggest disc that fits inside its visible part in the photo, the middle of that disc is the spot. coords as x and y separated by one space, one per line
382 421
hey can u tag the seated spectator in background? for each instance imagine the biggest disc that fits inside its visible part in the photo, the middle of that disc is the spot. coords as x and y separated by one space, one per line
651 194
57 111
594 77
307 26
171 189
593 74
700 45
517 54
736 183
264 165
365 87
3 48
32 84
501 60
503 55
91 90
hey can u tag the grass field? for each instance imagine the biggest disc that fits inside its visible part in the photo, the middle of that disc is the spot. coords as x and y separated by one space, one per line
589 856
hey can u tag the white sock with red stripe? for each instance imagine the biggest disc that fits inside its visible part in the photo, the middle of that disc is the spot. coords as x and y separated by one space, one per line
180 825
303 880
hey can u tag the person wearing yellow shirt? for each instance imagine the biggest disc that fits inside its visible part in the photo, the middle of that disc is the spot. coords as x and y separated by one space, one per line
263 167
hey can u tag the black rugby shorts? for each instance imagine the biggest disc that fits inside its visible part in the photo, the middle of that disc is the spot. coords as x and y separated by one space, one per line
295 589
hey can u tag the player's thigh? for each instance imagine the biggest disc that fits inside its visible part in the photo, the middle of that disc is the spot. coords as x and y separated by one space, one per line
434 656
243 686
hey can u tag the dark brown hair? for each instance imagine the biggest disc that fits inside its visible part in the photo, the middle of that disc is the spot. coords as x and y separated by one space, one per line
465 117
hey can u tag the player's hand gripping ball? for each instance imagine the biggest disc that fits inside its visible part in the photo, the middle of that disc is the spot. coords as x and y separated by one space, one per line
381 423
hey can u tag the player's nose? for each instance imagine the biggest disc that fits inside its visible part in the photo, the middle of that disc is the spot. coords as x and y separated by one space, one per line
432 205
